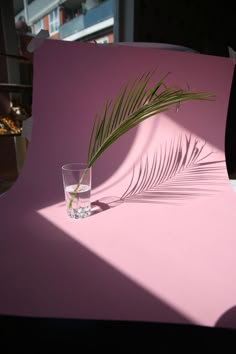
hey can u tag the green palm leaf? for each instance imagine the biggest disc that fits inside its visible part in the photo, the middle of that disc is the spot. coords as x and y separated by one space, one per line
134 103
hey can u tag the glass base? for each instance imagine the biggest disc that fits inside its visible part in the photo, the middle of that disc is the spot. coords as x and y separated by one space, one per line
79 213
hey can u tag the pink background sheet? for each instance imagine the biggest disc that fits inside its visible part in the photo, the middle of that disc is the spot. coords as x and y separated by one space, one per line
168 256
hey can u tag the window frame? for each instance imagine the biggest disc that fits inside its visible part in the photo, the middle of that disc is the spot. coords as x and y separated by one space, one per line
55 20
41 26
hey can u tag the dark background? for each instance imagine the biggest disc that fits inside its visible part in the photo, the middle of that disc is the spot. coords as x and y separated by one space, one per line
206 26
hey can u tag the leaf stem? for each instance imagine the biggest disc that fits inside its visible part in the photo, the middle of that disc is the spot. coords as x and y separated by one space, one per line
77 187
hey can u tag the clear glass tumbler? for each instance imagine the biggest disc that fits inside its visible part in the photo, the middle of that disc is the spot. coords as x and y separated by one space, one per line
77 188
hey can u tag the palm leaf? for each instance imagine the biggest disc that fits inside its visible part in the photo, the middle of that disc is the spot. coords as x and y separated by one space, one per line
133 104
180 170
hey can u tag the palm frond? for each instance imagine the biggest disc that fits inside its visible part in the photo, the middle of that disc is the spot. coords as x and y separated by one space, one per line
180 170
133 104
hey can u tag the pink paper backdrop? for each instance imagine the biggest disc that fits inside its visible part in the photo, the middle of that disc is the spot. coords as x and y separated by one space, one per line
161 255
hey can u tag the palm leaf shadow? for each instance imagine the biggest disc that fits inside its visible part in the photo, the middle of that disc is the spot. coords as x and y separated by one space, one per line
180 170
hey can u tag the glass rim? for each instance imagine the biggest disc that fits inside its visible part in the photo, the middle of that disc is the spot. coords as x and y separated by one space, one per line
75 166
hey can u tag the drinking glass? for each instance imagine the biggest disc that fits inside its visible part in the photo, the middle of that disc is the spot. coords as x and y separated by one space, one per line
77 188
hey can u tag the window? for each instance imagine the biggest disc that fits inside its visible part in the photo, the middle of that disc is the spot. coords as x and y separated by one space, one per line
53 18
102 40
38 26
